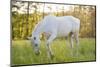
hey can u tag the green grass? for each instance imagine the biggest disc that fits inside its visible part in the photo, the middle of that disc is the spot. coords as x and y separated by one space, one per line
22 52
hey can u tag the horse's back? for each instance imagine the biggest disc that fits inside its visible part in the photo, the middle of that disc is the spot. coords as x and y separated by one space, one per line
67 24
62 25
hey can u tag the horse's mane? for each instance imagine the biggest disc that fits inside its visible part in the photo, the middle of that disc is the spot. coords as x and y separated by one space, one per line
37 26
42 22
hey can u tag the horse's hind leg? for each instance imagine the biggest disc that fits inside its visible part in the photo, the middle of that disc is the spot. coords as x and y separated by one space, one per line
71 42
77 43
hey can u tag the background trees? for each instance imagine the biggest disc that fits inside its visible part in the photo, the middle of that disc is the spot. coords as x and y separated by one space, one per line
25 15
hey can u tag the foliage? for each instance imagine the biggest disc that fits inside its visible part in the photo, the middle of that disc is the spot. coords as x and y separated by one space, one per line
24 22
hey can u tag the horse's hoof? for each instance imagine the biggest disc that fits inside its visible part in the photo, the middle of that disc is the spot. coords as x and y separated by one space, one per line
52 56
38 53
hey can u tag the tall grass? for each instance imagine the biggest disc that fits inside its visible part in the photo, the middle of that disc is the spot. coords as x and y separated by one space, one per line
23 53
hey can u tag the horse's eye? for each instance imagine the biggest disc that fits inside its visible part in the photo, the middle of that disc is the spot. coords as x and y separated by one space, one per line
34 38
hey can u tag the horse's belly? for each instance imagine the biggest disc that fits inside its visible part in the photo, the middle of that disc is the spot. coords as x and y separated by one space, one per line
64 29
62 33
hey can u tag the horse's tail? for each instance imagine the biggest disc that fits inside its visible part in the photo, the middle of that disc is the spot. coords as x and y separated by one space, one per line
29 38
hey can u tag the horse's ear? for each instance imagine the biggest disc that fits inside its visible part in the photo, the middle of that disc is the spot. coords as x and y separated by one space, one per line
34 38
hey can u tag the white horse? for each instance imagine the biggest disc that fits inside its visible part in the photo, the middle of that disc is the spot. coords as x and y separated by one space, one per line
53 27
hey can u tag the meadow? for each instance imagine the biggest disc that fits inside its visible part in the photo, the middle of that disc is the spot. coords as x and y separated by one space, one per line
22 52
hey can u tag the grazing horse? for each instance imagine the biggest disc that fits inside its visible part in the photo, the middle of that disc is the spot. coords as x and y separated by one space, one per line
53 27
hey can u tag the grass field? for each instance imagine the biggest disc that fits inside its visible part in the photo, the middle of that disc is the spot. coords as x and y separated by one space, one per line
22 52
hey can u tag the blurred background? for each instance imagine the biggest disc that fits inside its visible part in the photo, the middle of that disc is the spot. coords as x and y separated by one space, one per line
26 14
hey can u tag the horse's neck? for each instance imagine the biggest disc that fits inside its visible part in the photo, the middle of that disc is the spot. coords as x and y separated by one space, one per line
38 29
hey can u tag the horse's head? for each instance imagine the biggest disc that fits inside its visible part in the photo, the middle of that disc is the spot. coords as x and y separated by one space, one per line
36 44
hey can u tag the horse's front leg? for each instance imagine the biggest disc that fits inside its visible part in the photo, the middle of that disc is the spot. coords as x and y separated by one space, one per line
50 39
